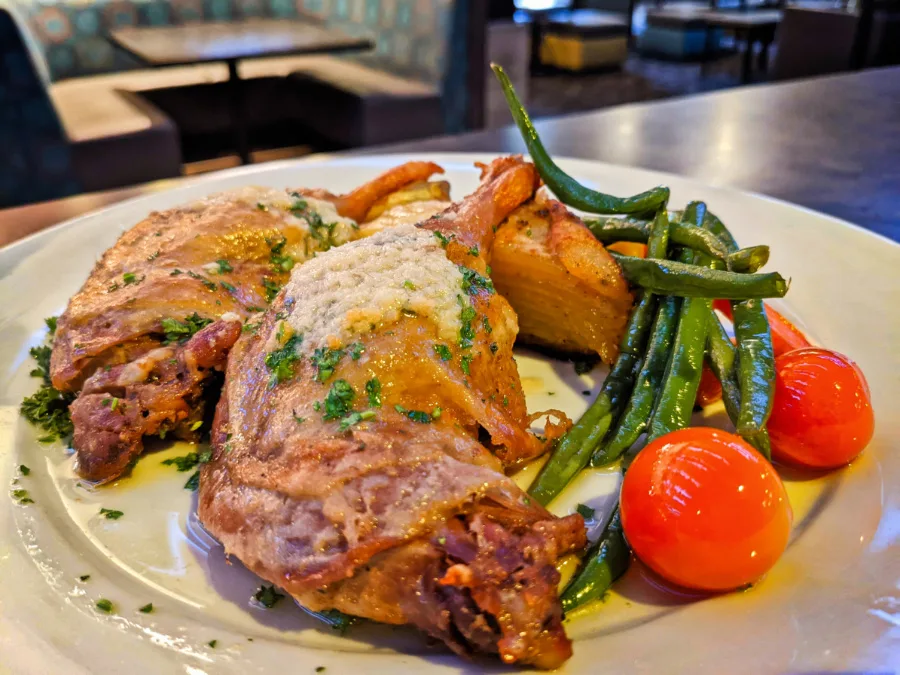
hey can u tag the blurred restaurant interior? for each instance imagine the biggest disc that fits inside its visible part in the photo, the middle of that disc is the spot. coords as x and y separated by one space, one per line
103 94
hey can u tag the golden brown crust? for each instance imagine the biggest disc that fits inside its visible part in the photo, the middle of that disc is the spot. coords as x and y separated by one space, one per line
567 291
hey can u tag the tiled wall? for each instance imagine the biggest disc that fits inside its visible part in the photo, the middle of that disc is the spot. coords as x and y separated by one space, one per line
412 36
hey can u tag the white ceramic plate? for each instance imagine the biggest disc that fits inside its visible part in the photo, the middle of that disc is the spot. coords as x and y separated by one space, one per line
831 604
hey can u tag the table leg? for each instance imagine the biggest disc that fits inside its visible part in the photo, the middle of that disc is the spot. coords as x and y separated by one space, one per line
238 112
747 63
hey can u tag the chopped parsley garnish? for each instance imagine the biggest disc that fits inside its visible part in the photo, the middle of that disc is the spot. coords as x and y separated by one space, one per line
182 331
84 577
104 605
175 272
415 415
153 256
111 514
224 266
228 287
271 288
473 251
436 413
22 496
146 609
355 418
410 286
373 391
326 360
464 363
280 261
318 229
441 237
467 332
298 419
183 463
130 278
212 644
267 596
261 207
356 350
47 408
24 470
339 400
211 285
473 281
585 511
443 351
282 361
250 327
193 482
51 323
486 325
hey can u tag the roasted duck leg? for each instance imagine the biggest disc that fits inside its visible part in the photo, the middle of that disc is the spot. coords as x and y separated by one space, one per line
127 333
361 438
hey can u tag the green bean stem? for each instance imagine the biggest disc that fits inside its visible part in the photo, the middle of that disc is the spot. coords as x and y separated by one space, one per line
607 560
748 260
690 281
570 191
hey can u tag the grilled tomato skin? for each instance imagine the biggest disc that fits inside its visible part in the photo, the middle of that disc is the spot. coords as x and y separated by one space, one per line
822 411
704 510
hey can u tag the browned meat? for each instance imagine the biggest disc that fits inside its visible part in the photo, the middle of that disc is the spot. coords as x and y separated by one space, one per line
159 392
360 442
227 254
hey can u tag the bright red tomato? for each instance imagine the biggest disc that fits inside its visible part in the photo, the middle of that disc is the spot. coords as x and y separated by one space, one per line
704 510
822 412
710 389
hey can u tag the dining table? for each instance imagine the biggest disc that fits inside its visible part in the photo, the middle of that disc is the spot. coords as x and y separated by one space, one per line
831 144
231 42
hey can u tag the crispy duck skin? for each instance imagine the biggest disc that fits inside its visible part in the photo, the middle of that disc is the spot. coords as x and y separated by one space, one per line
567 291
404 515
221 256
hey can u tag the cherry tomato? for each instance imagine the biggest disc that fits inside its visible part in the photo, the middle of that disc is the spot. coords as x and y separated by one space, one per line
822 412
710 389
704 510
785 336
632 248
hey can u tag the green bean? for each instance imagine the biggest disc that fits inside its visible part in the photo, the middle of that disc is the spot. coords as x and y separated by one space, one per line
755 364
691 281
573 451
609 230
712 223
606 561
721 355
748 260
755 371
634 419
566 188
675 402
